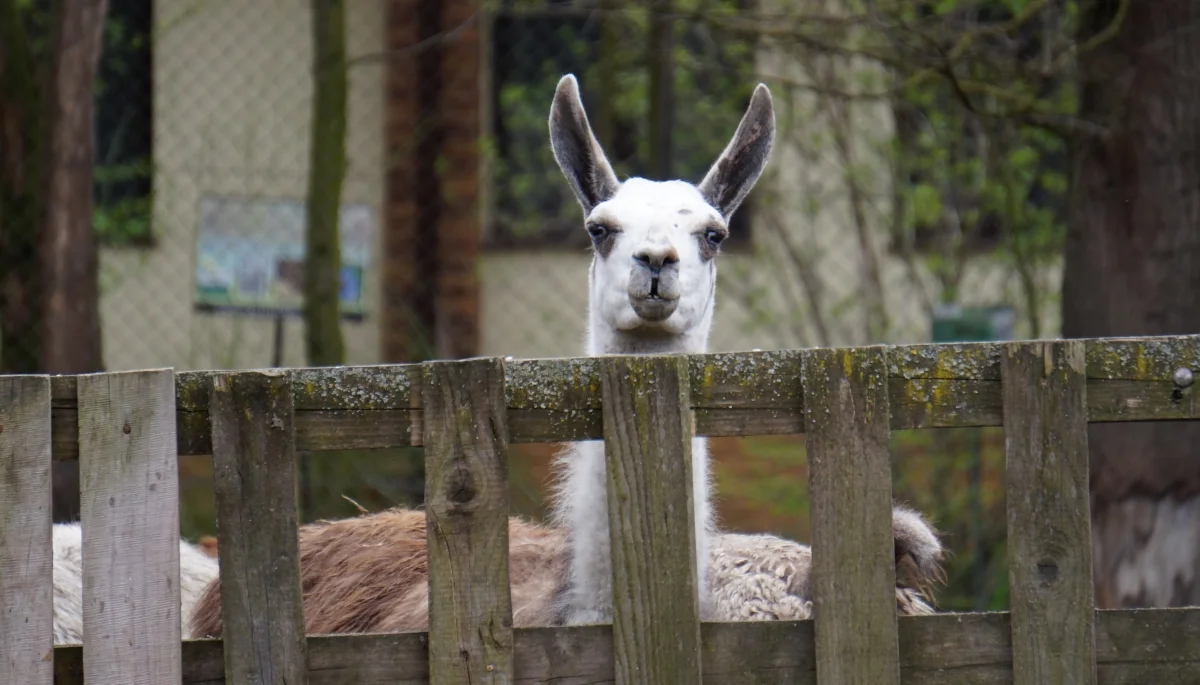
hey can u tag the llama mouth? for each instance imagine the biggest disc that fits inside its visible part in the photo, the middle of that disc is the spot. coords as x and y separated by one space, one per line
653 308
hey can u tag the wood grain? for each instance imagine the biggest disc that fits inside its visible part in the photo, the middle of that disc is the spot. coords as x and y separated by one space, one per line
1133 647
466 515
129 497
648 453
1049 527
26 566
254 474
850 481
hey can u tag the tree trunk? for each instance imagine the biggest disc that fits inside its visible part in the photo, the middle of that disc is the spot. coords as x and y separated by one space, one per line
21 156
70 325
71 289
1133 268
327 167
660 54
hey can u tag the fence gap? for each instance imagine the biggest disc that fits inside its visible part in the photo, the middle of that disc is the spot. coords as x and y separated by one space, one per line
648 451
254 474
850 484
129 483
26 564
1049 527
466 518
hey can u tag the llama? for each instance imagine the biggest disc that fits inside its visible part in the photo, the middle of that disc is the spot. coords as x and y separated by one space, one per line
369 575
651 290
196 570
651 286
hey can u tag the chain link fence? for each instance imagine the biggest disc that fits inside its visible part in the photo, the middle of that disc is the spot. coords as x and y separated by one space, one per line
459 236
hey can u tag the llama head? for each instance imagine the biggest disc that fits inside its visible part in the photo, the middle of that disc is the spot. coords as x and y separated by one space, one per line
653 274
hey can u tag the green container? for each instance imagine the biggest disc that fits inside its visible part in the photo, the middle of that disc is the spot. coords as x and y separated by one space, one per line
956 323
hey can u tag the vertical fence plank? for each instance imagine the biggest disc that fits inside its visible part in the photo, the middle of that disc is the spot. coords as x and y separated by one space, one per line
26 609
1049 527
254 473
466 513
648 452
129 498
850 481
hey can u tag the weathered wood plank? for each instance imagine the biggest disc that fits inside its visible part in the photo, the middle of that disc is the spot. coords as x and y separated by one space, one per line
1049 527
129 510
648 453
551 400
254 474
1133 647
850 479
357 429
1152 358
26 566
466 515
915 403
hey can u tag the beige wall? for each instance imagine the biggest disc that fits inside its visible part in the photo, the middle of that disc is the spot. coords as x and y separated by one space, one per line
232 106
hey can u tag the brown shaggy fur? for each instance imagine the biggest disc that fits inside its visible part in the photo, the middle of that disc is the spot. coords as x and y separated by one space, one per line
369 574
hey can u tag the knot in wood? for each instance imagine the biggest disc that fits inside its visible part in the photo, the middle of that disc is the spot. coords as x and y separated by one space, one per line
460 486
1047 571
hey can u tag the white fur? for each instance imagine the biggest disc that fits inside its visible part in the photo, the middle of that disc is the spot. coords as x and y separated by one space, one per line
196 570
648 214
650 218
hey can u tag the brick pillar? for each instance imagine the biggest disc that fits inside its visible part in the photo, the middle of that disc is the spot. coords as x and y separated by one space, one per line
459 235
431 232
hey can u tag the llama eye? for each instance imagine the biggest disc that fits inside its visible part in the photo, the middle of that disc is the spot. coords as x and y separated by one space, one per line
714 237
597 231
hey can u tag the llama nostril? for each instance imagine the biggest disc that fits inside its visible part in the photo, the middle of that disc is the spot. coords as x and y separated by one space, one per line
656 259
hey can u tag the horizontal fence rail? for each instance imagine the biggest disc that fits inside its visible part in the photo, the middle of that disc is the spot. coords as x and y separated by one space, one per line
732 394
127 427
1133 647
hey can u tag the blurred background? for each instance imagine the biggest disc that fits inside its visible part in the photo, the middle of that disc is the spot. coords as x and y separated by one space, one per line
219 184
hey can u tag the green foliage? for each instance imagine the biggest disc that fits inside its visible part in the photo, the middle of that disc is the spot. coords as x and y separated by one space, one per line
712 82
123 173
981 172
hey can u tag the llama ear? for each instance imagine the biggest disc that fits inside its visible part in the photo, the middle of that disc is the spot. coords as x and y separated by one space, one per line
576 149
739 166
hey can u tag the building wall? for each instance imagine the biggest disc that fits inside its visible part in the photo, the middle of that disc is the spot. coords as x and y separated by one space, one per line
232 103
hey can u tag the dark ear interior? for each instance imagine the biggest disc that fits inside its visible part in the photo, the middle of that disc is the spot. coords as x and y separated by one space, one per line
737 169
576 149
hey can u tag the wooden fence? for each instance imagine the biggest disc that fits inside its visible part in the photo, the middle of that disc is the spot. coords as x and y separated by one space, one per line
127 428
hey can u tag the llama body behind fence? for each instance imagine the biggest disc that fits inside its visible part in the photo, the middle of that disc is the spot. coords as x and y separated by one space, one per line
369 574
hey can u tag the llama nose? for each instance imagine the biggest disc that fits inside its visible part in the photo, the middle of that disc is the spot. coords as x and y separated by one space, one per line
656 258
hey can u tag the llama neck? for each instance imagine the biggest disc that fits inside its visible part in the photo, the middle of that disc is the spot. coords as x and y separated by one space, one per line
582 489
605 341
